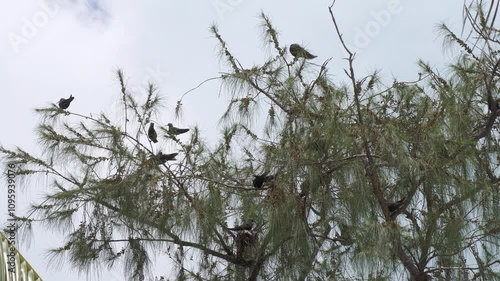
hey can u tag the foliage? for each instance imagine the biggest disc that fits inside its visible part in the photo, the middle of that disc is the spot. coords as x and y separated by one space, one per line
340 154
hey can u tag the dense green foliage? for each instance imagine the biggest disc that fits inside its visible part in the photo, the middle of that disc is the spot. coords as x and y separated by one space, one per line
341 152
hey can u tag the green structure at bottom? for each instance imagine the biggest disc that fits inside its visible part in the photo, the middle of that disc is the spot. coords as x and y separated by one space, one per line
13 266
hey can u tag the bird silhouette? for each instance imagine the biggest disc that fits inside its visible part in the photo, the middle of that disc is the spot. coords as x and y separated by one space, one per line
345 236
152 135
64 103
163 158
492 108
298 52
259 180
394 206
175 131
246 226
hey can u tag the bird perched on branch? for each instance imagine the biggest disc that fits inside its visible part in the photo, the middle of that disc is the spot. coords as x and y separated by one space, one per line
345 236
244 239
175 131
393 207
493 105
246 226
298 52
259 180
152 135
64 103
163 158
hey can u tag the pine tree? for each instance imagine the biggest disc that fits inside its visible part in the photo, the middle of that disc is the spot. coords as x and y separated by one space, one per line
370 182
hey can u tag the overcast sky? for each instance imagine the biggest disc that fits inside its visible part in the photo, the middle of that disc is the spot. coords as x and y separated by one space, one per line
51 49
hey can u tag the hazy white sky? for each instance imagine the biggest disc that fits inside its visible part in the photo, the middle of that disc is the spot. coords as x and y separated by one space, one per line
53 48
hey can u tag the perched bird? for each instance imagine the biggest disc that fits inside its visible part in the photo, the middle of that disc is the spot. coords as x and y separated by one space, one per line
246 226
175 131
393 207
298 52
64 103
244 239
152 133
345 236
112 180
259 180
163 158
491 107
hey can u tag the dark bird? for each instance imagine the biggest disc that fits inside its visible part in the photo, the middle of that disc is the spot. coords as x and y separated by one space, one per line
64 103
246 226
259 180
163 158
345 236
175 131
393 207
492 104
152 133
298 52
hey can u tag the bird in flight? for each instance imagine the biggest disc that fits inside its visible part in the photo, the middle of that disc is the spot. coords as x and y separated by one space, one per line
152 135
175 131
64 103
163 158
298 52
